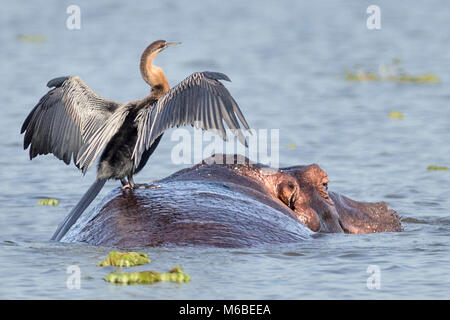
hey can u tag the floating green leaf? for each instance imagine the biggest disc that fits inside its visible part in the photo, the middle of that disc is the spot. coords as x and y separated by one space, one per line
396 115
361 76
124 259
176 274
436 168
390 72
291 145
424 78
31 38
48 202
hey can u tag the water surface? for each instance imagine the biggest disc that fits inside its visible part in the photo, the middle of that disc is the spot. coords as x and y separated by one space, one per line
287 62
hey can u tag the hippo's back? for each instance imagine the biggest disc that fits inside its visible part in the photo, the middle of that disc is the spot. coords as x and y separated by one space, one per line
184 212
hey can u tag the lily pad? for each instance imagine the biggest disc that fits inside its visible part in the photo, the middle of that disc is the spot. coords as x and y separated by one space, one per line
48 202
361 76
396 115
124 259
436 168
423 78
176 274
291 146
31 38
391 72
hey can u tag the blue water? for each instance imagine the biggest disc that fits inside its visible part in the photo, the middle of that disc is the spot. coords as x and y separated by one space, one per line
287 62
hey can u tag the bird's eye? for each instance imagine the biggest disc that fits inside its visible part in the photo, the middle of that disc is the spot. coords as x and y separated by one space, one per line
325 185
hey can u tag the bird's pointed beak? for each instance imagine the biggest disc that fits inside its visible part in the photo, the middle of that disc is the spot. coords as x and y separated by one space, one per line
171 44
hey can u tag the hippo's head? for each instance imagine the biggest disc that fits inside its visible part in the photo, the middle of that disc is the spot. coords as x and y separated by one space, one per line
304 191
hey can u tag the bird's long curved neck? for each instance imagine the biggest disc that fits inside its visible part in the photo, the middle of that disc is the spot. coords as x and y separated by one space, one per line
153 75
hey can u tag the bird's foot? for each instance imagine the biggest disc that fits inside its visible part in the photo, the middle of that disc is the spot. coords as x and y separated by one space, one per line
127 187
130 185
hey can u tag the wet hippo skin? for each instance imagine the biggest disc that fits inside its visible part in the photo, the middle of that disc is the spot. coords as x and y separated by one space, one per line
229 205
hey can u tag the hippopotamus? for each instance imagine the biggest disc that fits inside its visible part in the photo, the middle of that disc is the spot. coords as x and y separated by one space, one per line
229 201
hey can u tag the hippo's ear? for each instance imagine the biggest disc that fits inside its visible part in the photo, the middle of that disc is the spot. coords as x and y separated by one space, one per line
289 192
286 190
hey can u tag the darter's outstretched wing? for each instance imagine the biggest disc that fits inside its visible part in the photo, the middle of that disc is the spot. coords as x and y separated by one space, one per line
66 118
200 100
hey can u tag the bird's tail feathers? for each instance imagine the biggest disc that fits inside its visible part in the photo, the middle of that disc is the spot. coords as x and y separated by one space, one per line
76 212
